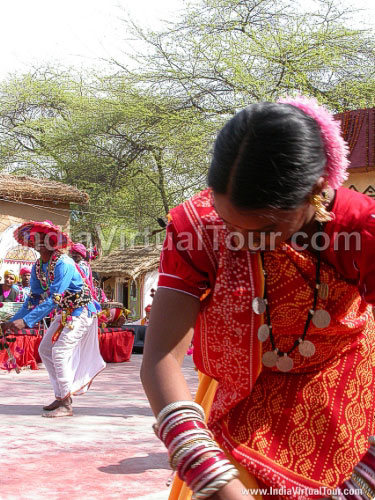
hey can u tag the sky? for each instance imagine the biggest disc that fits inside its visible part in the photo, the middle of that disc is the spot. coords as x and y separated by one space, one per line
72 32
81 33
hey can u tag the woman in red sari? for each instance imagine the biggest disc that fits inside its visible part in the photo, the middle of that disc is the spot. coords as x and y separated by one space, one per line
273 269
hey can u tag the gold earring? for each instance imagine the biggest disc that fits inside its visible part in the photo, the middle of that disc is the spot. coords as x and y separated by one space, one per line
321 213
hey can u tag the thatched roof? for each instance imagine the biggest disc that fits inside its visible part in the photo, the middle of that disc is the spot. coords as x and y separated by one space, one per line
22 187
128 263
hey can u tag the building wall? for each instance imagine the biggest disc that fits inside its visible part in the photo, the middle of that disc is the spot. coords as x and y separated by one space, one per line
109 286
150 281
137 298
127 291
363 182
16 213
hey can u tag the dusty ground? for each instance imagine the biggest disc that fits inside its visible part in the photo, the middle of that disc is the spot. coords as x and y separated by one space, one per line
106 451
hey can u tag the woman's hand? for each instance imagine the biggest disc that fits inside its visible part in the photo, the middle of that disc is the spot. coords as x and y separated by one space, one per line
232 491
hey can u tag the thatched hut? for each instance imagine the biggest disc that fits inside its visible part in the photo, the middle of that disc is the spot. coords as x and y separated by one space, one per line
28 198
25 198
129 275
358 129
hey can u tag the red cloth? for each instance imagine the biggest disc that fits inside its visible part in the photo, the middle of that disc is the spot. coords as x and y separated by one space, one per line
355 215
25 351
25 234
299 417
25 270
196 260
115 346
80 249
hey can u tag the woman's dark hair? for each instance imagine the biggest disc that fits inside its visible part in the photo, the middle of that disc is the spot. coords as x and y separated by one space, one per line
267 155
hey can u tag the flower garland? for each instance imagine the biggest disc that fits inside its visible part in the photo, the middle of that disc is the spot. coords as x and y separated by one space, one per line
73 300
93 253
47 278
67 302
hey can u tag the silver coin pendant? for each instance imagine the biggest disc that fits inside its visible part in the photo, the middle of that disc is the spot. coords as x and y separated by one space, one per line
284 363
269 359
259 305
263 333
321 318
306 348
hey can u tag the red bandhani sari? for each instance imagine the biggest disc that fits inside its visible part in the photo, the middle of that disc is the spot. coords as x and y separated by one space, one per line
305 430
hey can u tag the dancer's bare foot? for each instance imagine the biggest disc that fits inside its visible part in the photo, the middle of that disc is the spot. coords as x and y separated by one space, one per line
56 404
64 410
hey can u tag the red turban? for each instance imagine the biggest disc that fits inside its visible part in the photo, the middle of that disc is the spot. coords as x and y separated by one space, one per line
25 270
26 232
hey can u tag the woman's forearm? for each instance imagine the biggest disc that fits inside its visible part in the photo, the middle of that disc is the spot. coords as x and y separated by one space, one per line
163 381
168 337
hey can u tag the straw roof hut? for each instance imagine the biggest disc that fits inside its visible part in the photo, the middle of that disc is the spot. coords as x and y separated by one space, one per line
129 275
129 263
29 198
23 187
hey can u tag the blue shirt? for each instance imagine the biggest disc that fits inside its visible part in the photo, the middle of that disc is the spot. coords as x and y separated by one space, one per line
84 266
66 278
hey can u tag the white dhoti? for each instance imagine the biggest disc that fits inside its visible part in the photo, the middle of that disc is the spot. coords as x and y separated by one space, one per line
74 359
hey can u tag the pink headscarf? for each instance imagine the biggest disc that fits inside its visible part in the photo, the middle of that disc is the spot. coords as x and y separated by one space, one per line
79 248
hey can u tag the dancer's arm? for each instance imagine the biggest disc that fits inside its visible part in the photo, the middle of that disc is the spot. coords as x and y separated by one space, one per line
168 337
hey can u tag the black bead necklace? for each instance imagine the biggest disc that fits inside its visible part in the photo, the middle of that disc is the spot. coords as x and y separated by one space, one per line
319 317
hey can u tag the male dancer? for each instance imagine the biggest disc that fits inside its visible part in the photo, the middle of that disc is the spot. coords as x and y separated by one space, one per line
70 348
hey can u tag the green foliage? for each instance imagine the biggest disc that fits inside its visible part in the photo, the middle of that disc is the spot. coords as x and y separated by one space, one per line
225 54
139 141
136 154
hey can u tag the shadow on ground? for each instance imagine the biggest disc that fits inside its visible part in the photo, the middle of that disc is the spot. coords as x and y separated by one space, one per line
125 412
138 465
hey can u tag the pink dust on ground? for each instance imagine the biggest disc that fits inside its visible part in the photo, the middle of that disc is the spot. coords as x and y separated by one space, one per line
106 451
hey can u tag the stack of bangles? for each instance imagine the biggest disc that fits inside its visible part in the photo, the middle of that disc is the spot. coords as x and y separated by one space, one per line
192 451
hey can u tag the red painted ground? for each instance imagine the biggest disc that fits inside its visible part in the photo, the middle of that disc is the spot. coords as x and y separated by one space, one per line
106 451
